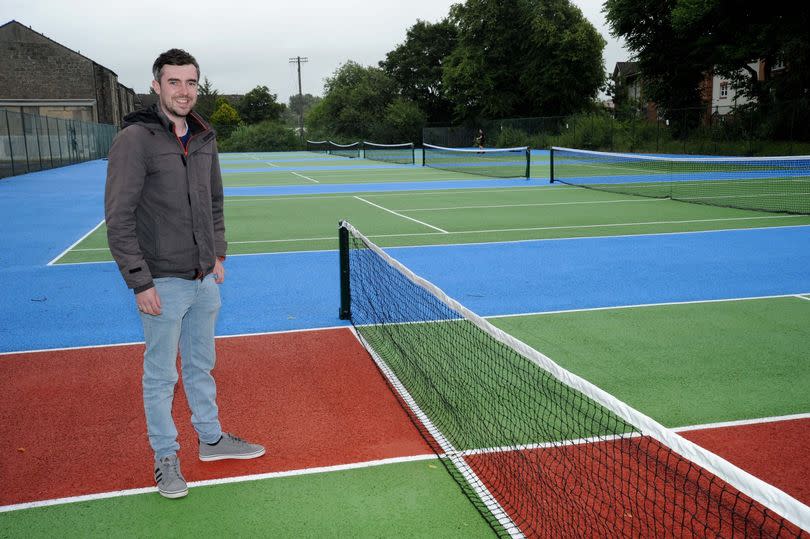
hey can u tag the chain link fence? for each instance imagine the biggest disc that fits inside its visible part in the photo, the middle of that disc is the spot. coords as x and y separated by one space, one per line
29 142
742 130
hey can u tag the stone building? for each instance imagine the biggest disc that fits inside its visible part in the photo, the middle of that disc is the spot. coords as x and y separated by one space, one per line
40 76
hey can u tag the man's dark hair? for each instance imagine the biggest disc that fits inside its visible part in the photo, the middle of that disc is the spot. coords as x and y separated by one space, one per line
173 57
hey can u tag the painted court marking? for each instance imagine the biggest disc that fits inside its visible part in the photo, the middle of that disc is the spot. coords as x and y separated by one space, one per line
222 481
401 215
63 253
305 177
495 231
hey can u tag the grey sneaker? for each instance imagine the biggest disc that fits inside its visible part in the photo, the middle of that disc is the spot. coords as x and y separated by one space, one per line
230 447
169 478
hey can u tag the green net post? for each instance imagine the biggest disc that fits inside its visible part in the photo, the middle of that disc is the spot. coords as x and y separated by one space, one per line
551 165
423 155
345 295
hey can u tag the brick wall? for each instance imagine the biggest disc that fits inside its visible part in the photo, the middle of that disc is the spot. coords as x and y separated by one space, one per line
37 68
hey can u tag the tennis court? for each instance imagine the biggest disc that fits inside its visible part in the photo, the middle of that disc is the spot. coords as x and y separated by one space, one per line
697 316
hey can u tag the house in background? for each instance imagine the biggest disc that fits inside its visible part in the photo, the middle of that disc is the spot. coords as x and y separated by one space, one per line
722 97
40 76
629 90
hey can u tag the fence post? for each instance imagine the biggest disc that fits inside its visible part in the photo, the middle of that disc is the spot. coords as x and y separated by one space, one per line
50 147
10 145
39 147
25 142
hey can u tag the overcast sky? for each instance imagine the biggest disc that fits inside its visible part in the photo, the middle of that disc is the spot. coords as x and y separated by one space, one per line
242 44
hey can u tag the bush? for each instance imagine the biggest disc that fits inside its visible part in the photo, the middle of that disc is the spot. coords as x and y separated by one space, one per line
267 136
225 118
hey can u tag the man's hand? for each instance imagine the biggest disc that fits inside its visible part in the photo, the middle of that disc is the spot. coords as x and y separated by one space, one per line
219 272
148 301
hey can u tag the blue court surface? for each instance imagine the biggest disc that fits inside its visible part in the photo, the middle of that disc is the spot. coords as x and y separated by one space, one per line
47 307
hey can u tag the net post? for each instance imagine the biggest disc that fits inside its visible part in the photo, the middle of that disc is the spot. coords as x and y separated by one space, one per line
551 164
528 162
345 294
423 155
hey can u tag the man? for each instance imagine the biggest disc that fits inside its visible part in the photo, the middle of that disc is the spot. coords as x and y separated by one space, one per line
166 231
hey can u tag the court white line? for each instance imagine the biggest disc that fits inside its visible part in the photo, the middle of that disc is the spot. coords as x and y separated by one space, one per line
223 481
231 336
347 467
804 297
271 164
529 205
495 231
305 177
742 422
642 305
63 253
400 215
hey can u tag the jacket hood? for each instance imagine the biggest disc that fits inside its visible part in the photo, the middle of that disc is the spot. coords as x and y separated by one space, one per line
147 116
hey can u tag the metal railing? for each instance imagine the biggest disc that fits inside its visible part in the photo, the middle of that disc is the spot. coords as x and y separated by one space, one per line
29 143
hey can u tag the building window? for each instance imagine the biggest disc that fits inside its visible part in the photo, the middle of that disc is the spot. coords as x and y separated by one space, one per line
723 90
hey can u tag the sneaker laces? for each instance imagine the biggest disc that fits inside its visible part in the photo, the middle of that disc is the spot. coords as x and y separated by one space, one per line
237 439
171 465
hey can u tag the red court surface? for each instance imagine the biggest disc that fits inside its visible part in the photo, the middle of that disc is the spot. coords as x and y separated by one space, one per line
71 422
777 452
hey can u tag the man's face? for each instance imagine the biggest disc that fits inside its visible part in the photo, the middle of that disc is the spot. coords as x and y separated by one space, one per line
177 89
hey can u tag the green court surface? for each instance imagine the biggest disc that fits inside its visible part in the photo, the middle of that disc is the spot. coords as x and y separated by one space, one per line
264 224
685 364
416 499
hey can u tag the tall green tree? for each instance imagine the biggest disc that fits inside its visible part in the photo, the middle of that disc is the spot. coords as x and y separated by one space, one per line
732 35
671 66
206 99
522 58
355 101
259 105
416 66
296 104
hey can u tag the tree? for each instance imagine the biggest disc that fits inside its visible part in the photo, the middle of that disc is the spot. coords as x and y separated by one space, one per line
403 121
206 99
258 105
354 103
671 70
416 66
771 34
522 58
225 118
306 102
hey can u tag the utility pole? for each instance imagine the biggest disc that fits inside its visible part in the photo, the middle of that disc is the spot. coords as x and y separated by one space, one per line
298 60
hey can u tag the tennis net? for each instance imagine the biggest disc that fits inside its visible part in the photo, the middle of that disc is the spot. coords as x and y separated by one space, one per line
492 162
538 450
333 148
390 153
775 184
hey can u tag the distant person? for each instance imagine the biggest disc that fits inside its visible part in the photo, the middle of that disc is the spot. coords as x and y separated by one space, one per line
480 139
166 231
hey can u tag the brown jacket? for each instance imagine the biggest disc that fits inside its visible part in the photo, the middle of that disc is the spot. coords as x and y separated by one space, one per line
163 204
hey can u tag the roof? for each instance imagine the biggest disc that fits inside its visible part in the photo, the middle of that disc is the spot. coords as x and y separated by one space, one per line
625 69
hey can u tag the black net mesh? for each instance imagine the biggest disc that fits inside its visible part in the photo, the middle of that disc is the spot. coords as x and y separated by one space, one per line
494 163
774 184
535 455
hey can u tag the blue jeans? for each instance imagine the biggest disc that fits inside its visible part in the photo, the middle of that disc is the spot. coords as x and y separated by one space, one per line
188 314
